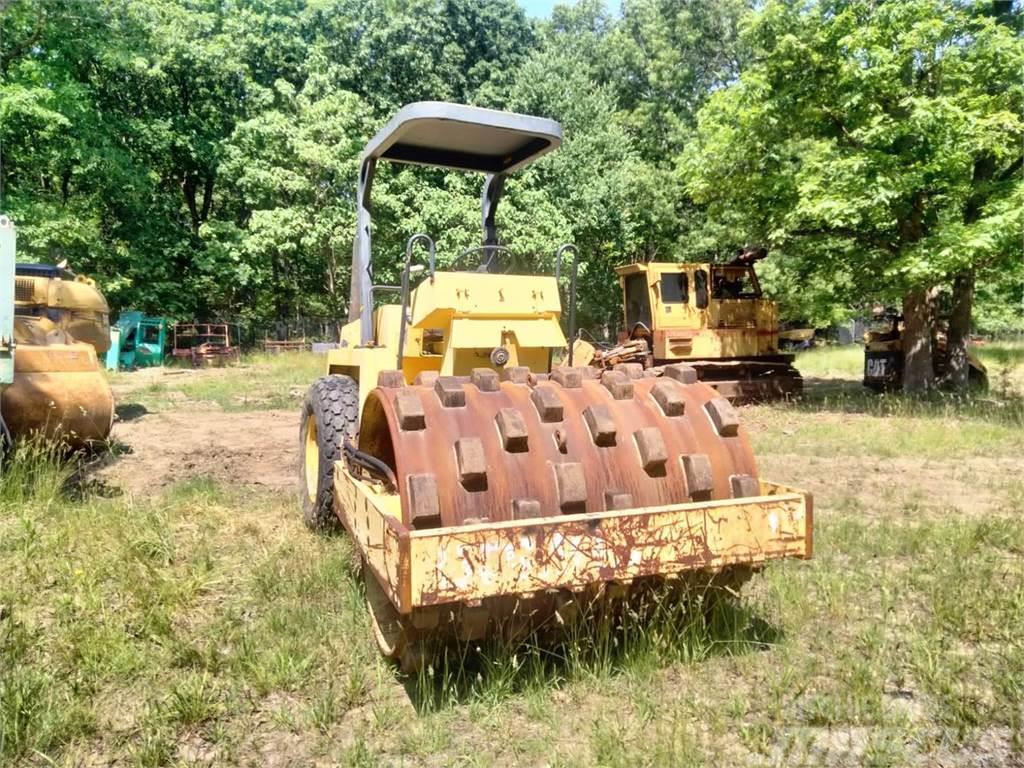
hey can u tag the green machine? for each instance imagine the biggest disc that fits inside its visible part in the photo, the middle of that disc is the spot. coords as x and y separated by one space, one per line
136 341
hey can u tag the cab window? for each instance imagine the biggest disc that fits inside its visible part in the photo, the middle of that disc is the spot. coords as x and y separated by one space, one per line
638 303
734 283
700 288
675 288
151 334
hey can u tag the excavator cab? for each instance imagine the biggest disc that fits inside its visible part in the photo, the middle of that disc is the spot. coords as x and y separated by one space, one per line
712 317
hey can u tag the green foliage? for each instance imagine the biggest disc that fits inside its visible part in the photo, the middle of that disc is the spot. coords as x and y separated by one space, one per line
199 158
875 144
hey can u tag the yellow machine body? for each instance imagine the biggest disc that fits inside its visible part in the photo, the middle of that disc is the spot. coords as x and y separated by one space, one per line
683 329
73 304
59 388
883 356
713 317
457 319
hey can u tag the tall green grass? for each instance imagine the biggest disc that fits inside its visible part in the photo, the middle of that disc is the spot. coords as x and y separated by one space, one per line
205 615
677 624
37 708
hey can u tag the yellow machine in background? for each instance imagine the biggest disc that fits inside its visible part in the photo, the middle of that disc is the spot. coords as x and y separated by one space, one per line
486 491
709 316
883 355
60 324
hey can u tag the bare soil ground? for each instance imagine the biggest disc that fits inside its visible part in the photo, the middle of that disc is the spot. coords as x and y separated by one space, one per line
244 448
182 439
260 449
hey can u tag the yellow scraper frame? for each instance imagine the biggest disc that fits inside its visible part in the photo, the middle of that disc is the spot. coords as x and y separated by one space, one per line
420 569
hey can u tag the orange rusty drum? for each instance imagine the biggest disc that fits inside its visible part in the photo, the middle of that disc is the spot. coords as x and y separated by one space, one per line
490 448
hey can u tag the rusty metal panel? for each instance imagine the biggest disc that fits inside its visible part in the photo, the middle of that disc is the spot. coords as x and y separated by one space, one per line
527 440
380 538
571 552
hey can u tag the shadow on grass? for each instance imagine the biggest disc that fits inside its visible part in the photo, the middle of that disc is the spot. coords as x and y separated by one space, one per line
601 644
130 411
38 466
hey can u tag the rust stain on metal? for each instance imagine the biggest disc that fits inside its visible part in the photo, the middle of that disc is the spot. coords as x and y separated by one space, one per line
529 493
415 429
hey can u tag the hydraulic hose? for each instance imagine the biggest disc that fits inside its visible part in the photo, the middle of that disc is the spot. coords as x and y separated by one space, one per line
371 464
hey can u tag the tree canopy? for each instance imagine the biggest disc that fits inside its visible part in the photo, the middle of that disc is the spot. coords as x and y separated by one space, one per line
199 157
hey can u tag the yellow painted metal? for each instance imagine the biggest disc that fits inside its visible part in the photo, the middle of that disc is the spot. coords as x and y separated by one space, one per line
482 295
373 520
454 565
725 328
457 320
311 457
59 390
74 305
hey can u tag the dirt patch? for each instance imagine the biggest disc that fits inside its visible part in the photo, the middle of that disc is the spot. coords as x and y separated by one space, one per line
255 448
885 487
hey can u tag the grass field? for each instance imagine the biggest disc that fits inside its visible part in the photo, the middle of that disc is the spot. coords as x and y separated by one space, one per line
199 623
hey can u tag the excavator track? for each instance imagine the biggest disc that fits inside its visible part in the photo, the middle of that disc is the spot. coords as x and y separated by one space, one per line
752 380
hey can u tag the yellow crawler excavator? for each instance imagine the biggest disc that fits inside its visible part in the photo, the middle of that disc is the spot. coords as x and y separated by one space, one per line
712 317
53 325
485 489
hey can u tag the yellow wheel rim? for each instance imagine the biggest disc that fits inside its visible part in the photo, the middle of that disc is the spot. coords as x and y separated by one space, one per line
311 458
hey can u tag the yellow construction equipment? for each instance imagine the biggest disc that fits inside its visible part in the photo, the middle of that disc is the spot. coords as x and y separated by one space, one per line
485 489
709 316
59 324
883 354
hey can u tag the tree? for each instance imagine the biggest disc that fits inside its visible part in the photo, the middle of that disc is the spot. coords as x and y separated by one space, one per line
880 140
665 58
592 179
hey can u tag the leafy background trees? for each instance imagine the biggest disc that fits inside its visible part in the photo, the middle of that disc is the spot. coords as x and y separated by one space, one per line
199 156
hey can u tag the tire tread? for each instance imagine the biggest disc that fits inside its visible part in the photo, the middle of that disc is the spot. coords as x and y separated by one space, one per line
334 403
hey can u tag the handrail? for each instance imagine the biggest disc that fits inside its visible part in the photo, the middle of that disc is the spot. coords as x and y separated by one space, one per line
410 244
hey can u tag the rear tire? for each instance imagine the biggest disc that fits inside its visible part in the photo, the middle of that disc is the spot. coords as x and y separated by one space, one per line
977 380
330 413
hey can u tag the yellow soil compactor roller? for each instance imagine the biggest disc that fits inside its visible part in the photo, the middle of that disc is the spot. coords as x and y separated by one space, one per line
58 322
485 490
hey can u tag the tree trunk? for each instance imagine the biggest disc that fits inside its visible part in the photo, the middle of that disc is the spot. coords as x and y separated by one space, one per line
957 367
189 186
204 216
918 369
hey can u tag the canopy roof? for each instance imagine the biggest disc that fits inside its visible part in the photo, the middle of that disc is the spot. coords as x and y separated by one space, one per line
462 137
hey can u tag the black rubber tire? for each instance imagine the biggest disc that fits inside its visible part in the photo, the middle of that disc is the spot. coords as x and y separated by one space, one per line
332 404
977 380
